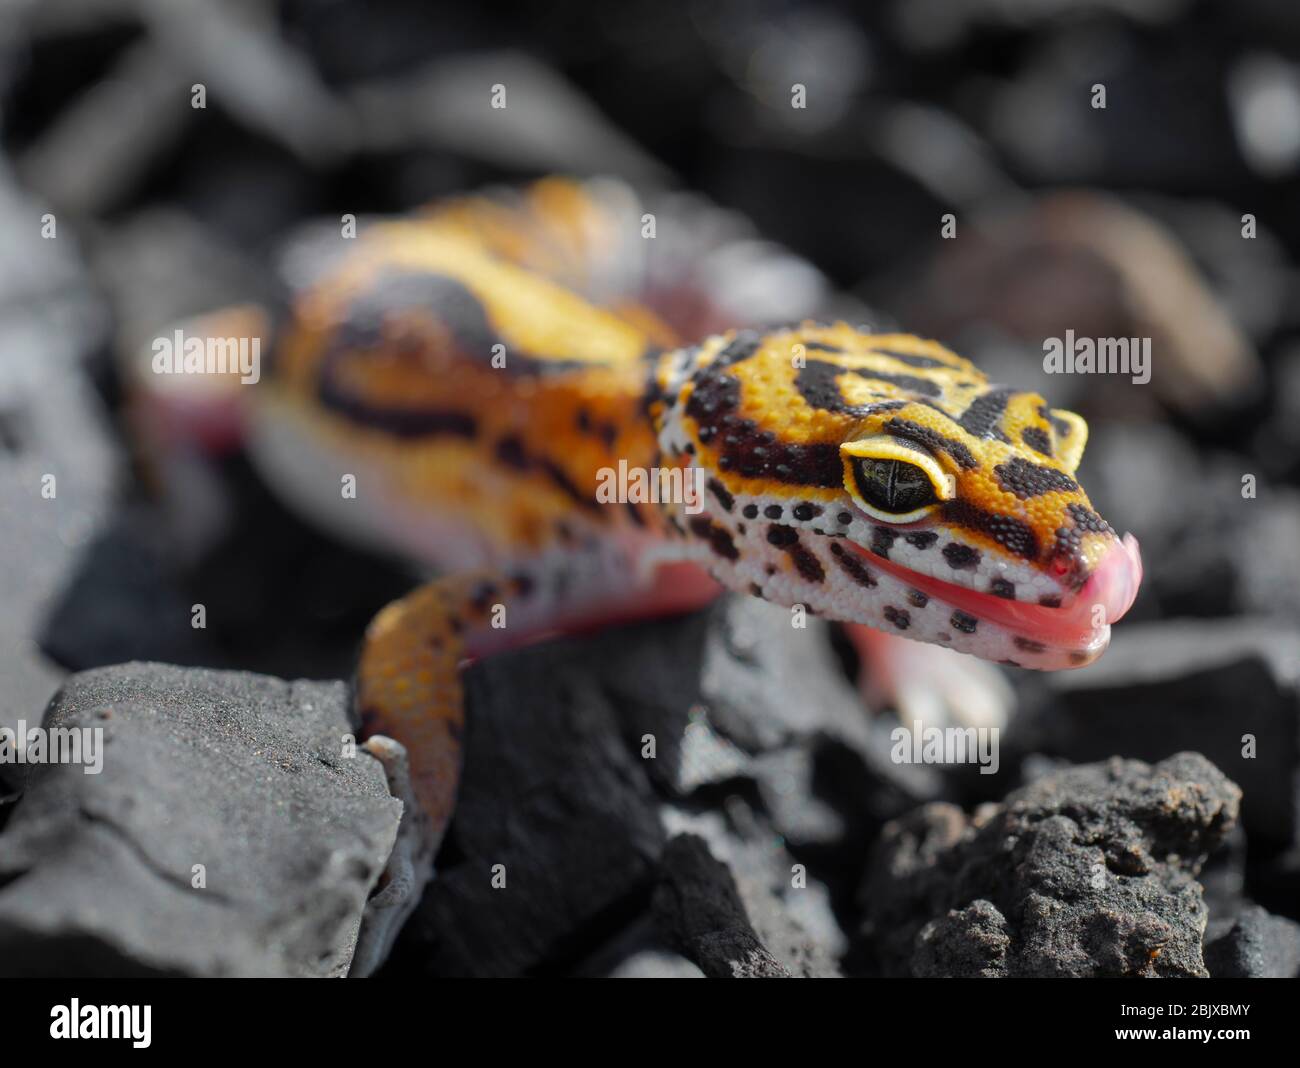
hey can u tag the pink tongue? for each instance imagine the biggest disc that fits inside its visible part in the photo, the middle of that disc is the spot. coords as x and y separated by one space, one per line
1113 586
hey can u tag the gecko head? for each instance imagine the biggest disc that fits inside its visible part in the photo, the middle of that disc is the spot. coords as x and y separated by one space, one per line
881 479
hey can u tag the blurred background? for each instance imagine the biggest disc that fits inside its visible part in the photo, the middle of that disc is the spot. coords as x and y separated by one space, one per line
1125 221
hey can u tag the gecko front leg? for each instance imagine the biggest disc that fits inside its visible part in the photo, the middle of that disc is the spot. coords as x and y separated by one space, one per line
410 698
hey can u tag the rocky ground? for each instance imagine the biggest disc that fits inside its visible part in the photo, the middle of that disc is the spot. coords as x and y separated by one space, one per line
1133 827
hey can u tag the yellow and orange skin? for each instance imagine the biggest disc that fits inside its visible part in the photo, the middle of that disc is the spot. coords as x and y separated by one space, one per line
465 360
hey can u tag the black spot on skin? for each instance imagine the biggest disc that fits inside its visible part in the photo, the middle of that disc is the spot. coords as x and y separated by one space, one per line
917 599
395 420
713 394
719 538
1028 480
963 622
817 383
807 564
1000 587
932 440
814 464
983 419
922 539
655 400
897 616
740 528
1014 535
961 557
912 359
510 451
1060 426
756 590
852 566
720 492
407 291
844 519
559 477
1087 520
741 347
773 511
750 511
1029 645
882 540
782 536
805 511
1050 600
787 540
1037 439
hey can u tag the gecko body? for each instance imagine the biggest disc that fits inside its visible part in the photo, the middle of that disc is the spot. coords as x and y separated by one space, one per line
476 369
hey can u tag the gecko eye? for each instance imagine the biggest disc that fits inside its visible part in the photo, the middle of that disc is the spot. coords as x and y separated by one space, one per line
890 488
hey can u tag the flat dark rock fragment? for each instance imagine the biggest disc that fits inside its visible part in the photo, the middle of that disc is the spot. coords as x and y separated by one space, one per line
698 905
236 781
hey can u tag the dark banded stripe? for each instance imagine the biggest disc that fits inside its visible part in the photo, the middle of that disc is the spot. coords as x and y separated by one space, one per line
983 419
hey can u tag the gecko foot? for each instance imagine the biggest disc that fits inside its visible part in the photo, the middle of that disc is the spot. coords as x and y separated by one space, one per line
937 686
409 868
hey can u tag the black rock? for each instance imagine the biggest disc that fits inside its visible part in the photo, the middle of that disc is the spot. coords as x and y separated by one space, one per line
744 713
1223 879
552 847
1088 871
120 603
248 777
968 943
1259 946
700 910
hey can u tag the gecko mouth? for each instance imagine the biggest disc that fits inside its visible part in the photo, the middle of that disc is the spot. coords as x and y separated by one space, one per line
1112 587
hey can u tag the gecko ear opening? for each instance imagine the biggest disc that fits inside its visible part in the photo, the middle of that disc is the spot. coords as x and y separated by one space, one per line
1069 436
